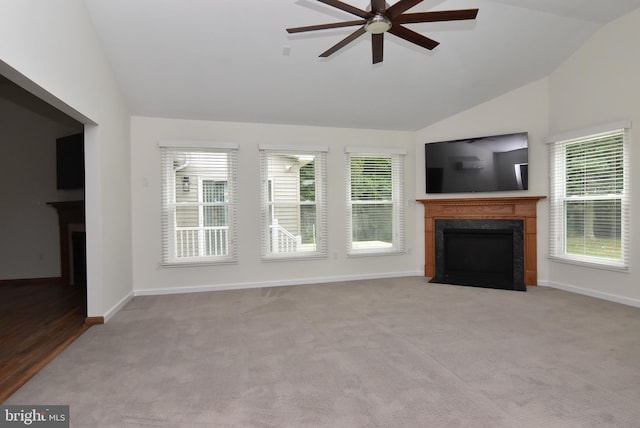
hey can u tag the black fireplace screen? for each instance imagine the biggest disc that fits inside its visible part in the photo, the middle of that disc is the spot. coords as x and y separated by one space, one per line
480 253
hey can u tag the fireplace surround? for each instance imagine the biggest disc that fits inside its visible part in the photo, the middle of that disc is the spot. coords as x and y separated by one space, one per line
521 208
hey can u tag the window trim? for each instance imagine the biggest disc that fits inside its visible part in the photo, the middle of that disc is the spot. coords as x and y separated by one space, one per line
168 186
267 191
558 199
397 157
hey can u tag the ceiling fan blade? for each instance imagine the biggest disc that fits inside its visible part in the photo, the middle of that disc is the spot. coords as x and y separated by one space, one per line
325 26
378 6
444 15
413 37
347 8
400 7
377 47
342 43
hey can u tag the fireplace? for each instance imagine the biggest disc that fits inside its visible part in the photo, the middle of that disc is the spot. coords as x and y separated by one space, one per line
480 253
519 208
71 223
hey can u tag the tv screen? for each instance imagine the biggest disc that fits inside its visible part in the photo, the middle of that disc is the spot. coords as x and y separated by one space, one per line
70 162
485 164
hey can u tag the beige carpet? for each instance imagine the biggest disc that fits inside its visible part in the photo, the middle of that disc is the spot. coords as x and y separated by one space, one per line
381 353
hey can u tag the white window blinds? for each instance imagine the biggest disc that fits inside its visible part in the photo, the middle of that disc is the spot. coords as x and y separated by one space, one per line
590 199
375 195
198 203
293 200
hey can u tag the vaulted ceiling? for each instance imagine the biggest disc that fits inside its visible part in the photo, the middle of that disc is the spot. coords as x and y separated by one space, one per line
232 60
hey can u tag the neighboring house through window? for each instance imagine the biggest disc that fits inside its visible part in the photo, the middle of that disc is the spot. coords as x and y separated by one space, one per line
199 202
375 195
590 198
213 217
293 202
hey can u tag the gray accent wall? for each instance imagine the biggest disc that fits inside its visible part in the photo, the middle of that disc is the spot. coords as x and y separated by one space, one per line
29 244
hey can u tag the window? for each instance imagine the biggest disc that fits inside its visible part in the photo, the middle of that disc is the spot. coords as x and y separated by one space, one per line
198 186
375 209
213 198
590 199
293 200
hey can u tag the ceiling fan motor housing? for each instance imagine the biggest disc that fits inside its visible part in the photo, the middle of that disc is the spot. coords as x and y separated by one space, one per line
378 24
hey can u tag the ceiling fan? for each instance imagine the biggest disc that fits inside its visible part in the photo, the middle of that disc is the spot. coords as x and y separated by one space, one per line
381 19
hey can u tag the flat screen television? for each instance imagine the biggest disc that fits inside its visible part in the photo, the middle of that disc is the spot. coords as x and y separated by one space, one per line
485 164
70 162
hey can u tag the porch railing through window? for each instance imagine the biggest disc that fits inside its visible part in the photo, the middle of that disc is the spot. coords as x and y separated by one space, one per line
283 241
202 241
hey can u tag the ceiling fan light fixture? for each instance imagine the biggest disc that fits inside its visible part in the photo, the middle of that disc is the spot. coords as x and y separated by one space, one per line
380 18
377 25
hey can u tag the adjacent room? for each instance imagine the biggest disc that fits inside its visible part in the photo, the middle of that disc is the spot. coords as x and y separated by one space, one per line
320 212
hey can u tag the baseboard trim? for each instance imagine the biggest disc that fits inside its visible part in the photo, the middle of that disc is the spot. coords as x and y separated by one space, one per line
93 321
97 320
597 294
31 281
116 308
265 284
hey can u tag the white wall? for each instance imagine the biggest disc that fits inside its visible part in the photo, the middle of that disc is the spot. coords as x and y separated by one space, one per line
50 48
150 278
29 244
600 84
524 109
597 85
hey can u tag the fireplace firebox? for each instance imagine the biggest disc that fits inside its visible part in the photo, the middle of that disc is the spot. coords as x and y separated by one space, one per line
480 253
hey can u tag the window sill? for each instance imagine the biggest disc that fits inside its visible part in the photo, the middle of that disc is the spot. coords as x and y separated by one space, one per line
314 256
593 265
197 263
382 252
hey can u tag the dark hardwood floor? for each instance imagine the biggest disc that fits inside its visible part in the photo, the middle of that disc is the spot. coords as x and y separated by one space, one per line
36 323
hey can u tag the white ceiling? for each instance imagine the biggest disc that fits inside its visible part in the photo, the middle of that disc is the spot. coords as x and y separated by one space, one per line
232 60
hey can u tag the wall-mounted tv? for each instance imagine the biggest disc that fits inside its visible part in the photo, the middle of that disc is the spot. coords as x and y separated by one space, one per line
70 162
485 164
